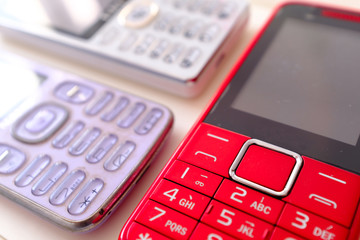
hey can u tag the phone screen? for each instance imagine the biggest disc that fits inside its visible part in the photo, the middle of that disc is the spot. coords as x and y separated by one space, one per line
299 88
309 79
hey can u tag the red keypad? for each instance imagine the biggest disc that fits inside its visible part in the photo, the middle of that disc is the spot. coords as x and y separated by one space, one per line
266 167
197 199
326 190
250 201
194 178
167 221
213 149
180 198
310 225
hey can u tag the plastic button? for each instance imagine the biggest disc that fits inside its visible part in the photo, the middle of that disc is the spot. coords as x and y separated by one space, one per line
67 135
213 149
193 177
49 179
80 146
40 123
11 159
85 197
266 167
116 110
235 222
101 149
135 112
326 190
159 49
180 198
74 92
310 225
250 201
100 104
149 121
166 221
120 155
32 171
67 187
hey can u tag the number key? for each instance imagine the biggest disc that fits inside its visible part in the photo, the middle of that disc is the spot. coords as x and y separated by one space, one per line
235 222
180 198
310 225
194 178
166 221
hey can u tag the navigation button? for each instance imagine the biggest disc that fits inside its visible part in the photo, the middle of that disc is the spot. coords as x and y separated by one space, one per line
40 123
266 167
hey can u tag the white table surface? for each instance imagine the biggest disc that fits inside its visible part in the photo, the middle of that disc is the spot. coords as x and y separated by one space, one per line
19 223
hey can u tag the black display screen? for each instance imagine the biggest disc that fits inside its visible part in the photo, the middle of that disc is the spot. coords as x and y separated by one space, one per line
300 88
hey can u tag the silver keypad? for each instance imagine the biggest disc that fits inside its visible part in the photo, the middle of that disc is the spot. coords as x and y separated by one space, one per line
53 177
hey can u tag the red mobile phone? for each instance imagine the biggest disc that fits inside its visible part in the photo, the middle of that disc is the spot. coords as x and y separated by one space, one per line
276 153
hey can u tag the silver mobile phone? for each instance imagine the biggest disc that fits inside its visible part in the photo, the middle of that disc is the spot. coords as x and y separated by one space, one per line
174 45
70 149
